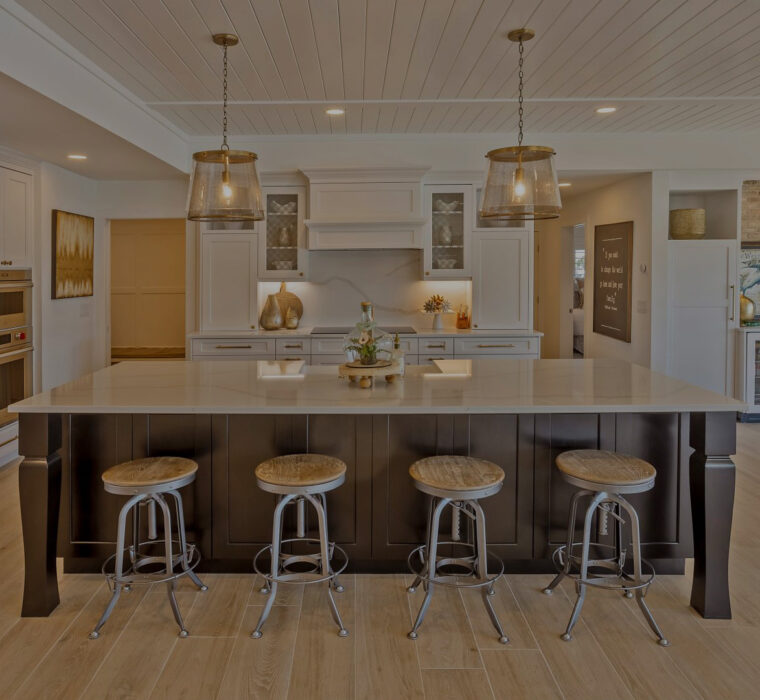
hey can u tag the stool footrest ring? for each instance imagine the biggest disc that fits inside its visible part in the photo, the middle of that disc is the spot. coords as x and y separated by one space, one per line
622 581
313 576
454 579
133 576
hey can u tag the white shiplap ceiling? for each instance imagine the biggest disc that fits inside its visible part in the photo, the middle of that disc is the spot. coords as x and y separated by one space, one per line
427 66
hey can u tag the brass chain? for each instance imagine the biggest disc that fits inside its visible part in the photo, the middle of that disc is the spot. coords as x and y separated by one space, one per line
520 97
225 146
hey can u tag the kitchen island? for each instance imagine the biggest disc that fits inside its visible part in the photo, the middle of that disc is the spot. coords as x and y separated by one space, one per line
230 415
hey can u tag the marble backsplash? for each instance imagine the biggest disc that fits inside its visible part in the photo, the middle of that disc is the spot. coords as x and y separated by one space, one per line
391 279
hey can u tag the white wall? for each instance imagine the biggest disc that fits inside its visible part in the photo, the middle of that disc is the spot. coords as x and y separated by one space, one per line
71 341
627 200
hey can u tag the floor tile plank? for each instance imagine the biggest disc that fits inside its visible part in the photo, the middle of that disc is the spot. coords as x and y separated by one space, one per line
456 684
520 673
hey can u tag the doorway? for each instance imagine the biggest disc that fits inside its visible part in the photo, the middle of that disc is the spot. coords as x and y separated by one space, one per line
147 289
579 290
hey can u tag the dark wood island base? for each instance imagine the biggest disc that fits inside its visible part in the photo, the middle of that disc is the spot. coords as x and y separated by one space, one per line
377 516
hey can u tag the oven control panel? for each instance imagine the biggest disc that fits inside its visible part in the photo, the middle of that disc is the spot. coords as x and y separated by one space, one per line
15 338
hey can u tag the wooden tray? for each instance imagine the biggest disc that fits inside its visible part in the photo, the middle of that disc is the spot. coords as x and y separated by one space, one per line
365 374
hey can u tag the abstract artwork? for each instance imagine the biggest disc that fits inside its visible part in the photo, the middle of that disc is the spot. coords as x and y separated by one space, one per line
73 243
749 272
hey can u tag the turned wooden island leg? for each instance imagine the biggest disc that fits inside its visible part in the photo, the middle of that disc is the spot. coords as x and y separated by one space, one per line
39 478
712 477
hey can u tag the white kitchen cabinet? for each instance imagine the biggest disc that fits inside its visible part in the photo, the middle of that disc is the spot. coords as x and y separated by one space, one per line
282 235
502 279
496 347
702 312
16 194
228 281
446 248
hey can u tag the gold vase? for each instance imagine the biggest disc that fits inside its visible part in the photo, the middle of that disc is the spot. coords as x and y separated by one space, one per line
291 318
271 315
746 309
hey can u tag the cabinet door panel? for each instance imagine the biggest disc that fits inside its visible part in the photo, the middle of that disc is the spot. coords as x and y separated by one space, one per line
502 280
16 225
228 281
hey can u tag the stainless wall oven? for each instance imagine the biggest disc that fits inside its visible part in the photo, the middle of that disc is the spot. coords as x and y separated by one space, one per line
15 380
15 298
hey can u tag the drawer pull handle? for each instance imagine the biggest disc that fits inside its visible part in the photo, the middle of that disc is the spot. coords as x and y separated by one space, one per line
295 346
442 346
234 347
495 345
436 358
292 359
8 442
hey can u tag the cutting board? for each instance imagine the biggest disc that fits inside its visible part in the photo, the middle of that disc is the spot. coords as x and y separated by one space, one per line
287 299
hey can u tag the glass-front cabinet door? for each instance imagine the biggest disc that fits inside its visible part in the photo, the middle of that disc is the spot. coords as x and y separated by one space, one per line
282 238
448 231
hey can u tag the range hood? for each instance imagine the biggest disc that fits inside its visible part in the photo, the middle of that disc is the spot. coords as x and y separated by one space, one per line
365 208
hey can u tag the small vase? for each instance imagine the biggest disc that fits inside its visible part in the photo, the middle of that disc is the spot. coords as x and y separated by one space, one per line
746 309
369 359
437 322
271 315
284 237
291 318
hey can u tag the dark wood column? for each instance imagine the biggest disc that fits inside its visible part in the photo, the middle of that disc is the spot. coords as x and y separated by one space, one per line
713 476
39 478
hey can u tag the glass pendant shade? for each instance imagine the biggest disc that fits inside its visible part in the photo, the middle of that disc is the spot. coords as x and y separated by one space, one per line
521 184
224 187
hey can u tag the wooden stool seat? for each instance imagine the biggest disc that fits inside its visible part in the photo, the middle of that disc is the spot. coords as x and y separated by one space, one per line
604 467
300 470
150 471
455 473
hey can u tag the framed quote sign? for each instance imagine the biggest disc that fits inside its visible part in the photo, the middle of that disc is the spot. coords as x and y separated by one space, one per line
613 256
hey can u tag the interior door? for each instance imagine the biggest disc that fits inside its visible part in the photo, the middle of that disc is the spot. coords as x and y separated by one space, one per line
702 313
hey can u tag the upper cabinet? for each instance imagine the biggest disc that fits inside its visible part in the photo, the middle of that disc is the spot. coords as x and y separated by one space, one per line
15 218
502 279
282 236
448 231
228 280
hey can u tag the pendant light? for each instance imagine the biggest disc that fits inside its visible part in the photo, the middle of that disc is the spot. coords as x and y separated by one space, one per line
522 183
224 185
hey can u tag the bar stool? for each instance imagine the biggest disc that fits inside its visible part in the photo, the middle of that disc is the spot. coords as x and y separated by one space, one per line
604 476
298 479
457 482
148 481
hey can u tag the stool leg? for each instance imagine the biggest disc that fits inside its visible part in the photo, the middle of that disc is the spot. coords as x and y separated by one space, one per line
325 555
275 568
569 547
425 561
118 563
633 515
171 586
431 567
335 583
580 585
480 526
183 541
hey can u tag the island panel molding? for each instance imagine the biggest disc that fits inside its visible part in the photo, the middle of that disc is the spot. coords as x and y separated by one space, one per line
613 263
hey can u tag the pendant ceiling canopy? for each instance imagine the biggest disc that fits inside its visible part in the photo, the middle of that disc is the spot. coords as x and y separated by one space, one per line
224 185
521 184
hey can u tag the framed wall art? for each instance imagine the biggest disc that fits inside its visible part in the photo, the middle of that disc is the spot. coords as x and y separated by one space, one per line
73 246
613 258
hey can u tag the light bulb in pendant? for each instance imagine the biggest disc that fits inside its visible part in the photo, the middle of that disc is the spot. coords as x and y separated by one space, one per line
519 183
226 187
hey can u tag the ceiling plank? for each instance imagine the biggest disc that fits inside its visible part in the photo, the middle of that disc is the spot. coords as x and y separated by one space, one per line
406 20
326 22
380 14
353 26
297 15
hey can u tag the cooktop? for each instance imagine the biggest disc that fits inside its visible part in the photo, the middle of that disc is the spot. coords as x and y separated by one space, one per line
343 330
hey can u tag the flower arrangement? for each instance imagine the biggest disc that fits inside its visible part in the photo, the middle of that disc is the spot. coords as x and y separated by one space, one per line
365 341
364 346
437 304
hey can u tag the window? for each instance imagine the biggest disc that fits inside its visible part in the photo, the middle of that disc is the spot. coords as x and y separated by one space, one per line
580 264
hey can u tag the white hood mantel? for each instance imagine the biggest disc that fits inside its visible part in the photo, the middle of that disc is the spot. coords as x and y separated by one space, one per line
365 208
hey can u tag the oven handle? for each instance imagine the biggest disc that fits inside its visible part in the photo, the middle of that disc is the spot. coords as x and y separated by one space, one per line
14 353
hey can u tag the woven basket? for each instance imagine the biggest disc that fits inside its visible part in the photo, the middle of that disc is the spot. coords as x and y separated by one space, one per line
686 224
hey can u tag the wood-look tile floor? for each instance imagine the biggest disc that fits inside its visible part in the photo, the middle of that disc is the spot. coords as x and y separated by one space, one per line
457 655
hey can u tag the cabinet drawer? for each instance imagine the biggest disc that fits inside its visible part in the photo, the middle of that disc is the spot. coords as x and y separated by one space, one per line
294 356
513 356
337 359
327 346
436 346
233 347
293 345
495 346
408 345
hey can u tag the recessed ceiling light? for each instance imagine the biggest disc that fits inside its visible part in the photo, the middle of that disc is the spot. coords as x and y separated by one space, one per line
606 110
565 184
76 156
335 111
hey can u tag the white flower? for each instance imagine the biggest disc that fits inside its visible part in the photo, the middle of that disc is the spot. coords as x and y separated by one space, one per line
364 338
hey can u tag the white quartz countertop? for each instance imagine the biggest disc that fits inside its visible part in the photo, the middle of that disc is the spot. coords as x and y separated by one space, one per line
487 385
